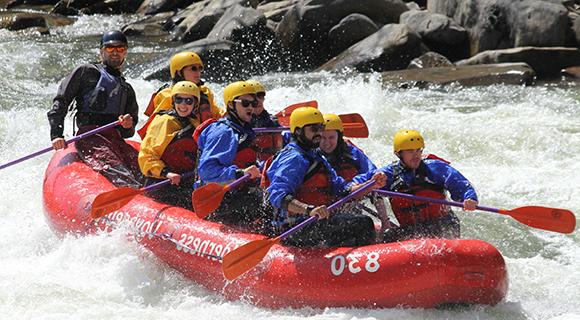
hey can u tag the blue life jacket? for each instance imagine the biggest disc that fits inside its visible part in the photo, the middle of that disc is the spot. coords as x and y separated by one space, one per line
107 96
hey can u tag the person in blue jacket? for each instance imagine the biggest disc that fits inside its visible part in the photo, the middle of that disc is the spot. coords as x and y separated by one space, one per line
301 183
226 153
427 176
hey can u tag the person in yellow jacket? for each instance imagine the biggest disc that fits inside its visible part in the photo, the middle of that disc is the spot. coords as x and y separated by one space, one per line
168 149
184 66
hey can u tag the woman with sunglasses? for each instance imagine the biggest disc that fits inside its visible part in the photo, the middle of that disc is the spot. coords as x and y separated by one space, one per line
266 144
168 149
227 153
184 66
301 183
101 96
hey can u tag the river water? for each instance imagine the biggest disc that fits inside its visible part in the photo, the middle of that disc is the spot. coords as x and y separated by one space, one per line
518 145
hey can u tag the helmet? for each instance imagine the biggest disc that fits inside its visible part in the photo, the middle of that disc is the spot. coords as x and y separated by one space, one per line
181 60
408 140
304 116
332 122
114 38
236 89
185 87
259 87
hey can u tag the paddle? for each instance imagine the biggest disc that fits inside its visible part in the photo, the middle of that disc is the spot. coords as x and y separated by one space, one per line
284 115
209 197
110 201
71 140
356 126
551 219
244 258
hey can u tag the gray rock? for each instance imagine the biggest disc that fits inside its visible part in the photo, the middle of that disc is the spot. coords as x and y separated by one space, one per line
430 60
149 7
350 30
275 10
546 61
158 25
304 28
440 33
391 48
478 75
240 24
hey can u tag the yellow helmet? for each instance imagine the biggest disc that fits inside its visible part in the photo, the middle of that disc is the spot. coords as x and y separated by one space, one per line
408 140
181 60
236 89
304 116
259 87
332 122
185 87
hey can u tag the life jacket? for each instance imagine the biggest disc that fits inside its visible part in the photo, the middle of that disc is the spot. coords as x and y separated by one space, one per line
107 96
410 212
181 153
316 188
267 144
245 156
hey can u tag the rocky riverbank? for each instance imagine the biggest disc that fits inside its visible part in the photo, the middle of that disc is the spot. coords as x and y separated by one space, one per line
518 41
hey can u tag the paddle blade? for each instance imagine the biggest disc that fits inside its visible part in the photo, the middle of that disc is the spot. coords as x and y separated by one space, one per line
244 258
110 201
207 199
354 125
551 219
284 115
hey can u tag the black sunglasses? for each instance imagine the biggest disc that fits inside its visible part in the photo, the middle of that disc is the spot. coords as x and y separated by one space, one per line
180 100
247 103
196 68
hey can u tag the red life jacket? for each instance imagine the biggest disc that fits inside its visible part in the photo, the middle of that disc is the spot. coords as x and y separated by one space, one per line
315 189
245 156
410 212
181 153
345 166
267 145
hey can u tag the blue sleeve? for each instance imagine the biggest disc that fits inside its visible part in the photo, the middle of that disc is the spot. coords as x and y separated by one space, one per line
364 177
363 163
286 174
458 186
219 146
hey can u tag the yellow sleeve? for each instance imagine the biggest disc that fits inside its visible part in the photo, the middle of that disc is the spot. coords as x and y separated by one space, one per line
216 112
159 135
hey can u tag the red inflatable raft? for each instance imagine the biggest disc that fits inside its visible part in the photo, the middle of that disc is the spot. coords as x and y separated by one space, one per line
420 273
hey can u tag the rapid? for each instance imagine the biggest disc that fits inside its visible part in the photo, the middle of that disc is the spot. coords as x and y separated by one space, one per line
518 145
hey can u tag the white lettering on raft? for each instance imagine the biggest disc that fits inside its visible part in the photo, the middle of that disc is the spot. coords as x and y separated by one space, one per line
137 223
199 247
338 263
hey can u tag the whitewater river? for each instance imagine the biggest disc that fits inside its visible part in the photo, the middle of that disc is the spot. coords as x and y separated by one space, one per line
518 145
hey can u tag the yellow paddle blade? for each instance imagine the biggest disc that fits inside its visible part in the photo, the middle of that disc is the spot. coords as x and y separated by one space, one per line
244 258
110 201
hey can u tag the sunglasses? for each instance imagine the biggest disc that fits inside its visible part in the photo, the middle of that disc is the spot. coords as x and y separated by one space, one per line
261 95
121 49
247 103
180 100
316 127
196 68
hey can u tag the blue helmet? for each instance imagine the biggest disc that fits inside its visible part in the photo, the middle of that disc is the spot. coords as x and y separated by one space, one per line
114 38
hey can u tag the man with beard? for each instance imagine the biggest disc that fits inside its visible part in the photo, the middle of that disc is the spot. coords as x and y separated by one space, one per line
226 153
427 176
101 96
301 183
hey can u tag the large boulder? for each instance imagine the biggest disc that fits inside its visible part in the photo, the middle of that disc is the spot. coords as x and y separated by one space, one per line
479 75
546 61
500 24
197 20
305 27
276 10
439 32
430 60
240 24
149 7
391 48
158 25
350 30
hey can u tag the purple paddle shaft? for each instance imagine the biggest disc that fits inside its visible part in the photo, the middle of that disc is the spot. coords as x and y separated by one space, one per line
427 199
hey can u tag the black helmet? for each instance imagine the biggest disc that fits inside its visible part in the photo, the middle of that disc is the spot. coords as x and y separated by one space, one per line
114 37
